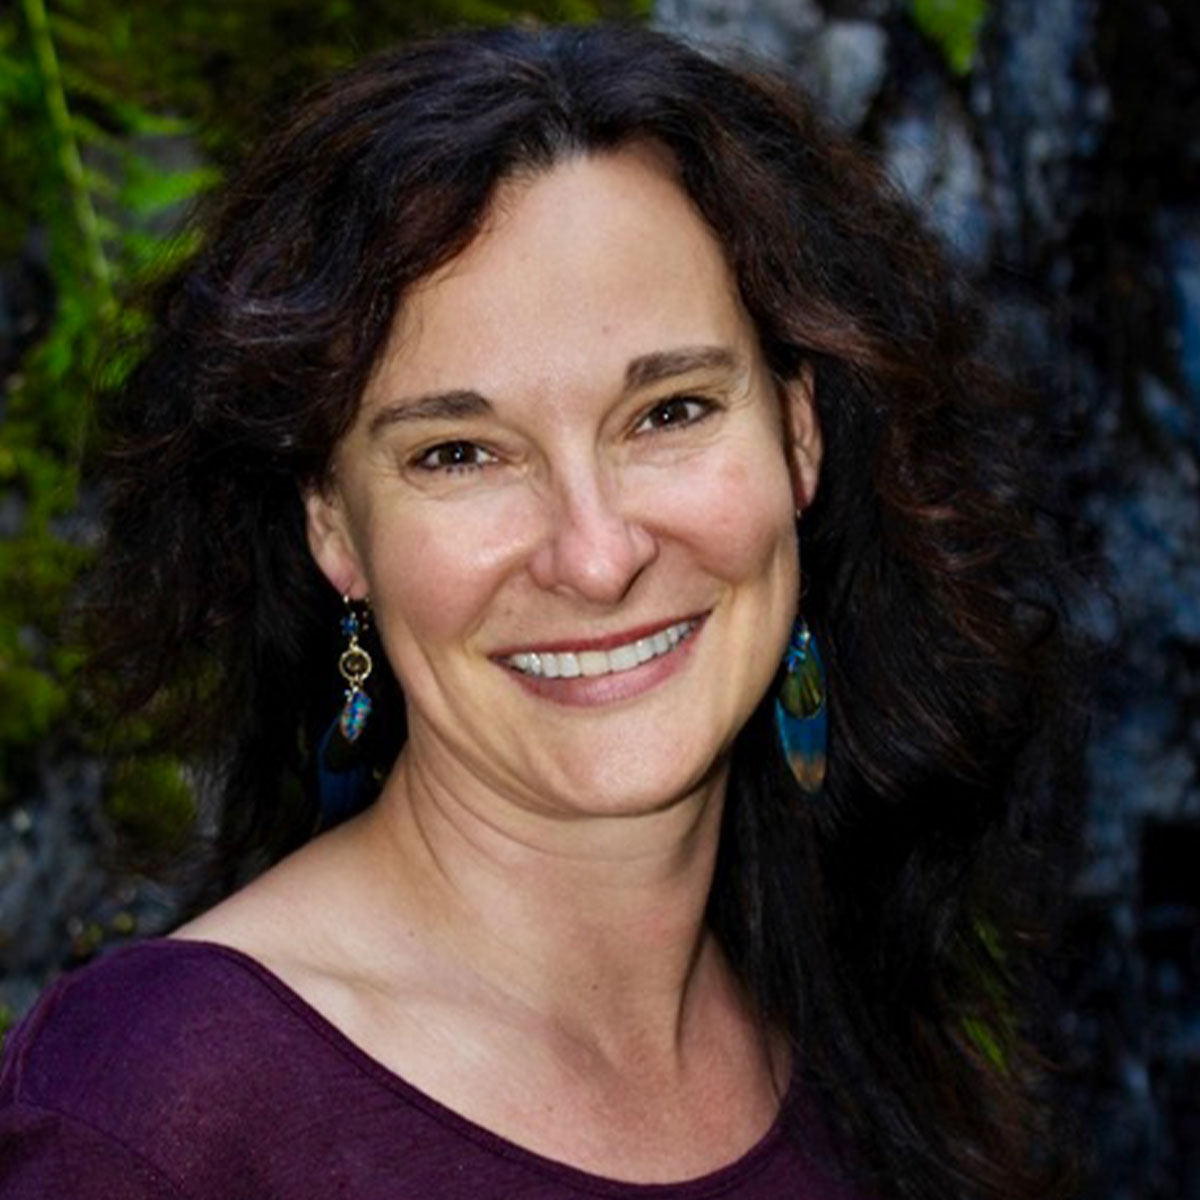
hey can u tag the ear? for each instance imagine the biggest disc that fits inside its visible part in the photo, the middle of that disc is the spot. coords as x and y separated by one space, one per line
802 427
330 541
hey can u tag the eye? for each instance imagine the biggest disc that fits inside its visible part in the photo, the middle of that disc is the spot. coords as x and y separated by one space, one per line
675 413
453 457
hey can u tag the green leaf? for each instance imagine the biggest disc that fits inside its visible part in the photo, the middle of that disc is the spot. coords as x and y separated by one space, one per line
77 36
955 26
98 183
18 78
157 124
148 192
107 228
149 256
984 1038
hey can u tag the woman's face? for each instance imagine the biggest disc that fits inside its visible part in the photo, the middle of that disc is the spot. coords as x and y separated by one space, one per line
570 494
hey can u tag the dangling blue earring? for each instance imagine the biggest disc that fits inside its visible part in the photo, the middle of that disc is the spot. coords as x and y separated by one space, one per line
800 714
355 665
342 775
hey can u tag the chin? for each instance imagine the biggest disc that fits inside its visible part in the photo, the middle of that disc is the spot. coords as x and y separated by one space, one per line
629 785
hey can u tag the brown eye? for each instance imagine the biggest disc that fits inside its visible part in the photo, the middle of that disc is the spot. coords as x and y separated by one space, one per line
675 413
453 457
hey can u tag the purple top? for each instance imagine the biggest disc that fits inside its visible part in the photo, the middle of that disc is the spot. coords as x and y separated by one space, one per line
187 1070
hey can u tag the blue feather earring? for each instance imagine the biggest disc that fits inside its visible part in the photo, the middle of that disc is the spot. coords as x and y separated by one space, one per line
800 711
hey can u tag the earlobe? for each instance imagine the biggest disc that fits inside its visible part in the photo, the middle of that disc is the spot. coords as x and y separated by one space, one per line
803 431
330 542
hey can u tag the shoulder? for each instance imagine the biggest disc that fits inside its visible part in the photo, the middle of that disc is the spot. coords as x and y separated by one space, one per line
142 1010
165 1050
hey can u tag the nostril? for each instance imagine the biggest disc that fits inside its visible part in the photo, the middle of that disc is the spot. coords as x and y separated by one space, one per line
596 553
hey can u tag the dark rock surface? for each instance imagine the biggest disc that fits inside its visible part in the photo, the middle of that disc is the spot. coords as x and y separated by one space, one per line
1064 171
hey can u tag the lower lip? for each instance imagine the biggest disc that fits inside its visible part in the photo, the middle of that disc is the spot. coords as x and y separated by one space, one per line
586 691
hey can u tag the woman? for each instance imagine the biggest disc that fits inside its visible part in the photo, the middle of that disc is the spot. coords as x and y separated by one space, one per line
503 381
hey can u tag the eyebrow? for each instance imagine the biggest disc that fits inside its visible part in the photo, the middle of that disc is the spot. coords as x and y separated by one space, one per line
456 405
464 403
665 364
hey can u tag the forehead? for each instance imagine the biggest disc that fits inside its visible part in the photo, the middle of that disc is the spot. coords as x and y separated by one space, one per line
578 269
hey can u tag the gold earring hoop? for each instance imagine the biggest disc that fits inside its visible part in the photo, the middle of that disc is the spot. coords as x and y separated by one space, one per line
355 666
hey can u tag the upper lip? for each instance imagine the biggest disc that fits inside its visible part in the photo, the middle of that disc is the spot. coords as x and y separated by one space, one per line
604 642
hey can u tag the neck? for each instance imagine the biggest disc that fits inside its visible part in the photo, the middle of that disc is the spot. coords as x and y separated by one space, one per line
595 923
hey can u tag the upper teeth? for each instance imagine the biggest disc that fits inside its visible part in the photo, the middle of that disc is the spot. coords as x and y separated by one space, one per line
569 664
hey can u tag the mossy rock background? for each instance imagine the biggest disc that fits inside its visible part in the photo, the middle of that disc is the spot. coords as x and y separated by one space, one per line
1056 146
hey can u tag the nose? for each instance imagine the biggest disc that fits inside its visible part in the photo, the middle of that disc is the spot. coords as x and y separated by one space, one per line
592 550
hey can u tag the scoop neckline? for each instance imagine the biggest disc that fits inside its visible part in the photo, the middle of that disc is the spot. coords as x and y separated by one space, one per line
710 1184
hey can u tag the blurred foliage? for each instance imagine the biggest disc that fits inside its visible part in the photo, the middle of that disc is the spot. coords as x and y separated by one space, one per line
955 26
115 115
150 803
983 1037
83 204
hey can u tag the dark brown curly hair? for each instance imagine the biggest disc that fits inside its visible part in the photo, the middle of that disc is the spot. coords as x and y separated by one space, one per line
882 923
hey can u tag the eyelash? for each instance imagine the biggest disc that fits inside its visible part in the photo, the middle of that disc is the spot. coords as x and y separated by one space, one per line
706 409
427 459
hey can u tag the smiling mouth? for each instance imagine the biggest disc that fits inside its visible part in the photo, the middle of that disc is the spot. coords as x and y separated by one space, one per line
571 664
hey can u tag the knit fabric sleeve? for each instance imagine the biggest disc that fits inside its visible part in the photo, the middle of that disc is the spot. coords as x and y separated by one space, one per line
44 1153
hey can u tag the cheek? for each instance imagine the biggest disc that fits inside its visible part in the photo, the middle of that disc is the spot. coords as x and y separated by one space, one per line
432 578
739 517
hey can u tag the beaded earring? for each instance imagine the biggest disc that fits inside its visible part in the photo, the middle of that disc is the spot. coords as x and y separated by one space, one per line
355 666
800 716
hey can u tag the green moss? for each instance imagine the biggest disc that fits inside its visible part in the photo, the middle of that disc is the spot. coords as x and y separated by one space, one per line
955 26
123 924
151 805
30 702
